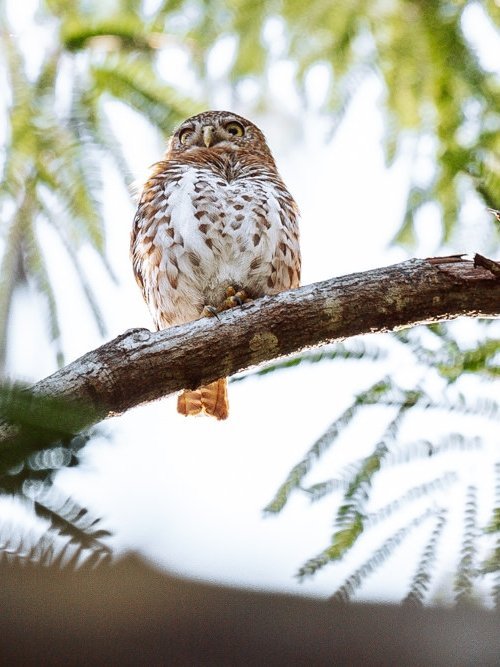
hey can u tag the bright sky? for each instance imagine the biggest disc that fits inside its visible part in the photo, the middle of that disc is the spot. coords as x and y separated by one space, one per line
189 493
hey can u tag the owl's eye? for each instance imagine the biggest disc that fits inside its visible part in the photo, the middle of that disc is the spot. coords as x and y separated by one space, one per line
235 129
184 135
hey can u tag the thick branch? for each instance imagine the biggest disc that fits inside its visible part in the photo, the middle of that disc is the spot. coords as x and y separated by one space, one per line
141 366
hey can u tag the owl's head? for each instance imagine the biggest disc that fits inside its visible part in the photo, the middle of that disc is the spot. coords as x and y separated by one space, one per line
220 129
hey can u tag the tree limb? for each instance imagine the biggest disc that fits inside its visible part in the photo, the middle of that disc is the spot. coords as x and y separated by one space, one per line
140 366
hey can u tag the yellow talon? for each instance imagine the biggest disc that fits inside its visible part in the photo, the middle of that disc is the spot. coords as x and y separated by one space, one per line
210 311
233 298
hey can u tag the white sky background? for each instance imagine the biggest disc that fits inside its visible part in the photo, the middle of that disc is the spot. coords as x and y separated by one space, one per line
188 493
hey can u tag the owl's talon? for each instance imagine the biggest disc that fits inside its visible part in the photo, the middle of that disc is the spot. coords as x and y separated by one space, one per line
241 297
234 301
234 298
210 311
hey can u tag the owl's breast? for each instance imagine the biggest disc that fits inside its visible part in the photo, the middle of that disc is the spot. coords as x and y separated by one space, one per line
197 232
229 229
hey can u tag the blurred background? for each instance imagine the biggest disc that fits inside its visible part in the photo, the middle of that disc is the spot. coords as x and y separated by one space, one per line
366 470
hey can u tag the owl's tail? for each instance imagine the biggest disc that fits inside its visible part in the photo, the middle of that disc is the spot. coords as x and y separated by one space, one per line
210 400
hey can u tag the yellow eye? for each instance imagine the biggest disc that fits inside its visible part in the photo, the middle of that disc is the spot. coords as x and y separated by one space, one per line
235 129
184 135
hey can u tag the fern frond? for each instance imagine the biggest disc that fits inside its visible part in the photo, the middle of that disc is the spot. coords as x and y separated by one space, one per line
299 471
379 557
420 584
482 407
388 393
67 518
406 235
342 95
9 276
351 516
50 459
426 449
23 547
72 540
135 83
491 565
358 489
451 361
421 449
14 65
467 570
413 494
322 444
343 540
356 349
477 360
123 31
71 172
318 491
17 546
35 263
87 111
82 278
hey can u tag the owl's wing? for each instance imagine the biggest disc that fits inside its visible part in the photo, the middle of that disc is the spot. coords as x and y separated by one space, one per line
153 243
144 229
136 252
285 264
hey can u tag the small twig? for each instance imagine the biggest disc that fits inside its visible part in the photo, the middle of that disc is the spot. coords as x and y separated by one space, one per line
486 263
450 259
495 212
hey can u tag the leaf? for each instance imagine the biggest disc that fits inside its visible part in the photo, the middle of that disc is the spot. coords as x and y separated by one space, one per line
414 493
123 31
420 584
32 422
466 572
67 518
134 83
378 558
342 541
354 350
300 470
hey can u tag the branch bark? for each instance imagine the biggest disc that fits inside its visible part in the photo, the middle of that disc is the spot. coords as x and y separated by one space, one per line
140 366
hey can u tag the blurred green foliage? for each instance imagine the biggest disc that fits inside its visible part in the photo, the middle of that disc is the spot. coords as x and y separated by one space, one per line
436 90
38 434
351 489
58 133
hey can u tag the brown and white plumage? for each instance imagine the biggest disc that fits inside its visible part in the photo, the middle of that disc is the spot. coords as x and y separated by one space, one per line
213 213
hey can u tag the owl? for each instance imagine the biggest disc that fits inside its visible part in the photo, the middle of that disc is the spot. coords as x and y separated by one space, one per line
215 226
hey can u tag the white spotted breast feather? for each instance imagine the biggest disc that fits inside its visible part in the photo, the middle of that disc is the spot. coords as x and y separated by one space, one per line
203 225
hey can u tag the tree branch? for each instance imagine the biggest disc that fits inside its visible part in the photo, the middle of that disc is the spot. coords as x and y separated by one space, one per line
140 366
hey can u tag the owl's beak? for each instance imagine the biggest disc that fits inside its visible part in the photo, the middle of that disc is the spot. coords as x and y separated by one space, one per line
208 132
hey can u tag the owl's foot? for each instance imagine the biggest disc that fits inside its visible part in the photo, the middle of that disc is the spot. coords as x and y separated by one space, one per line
234 298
